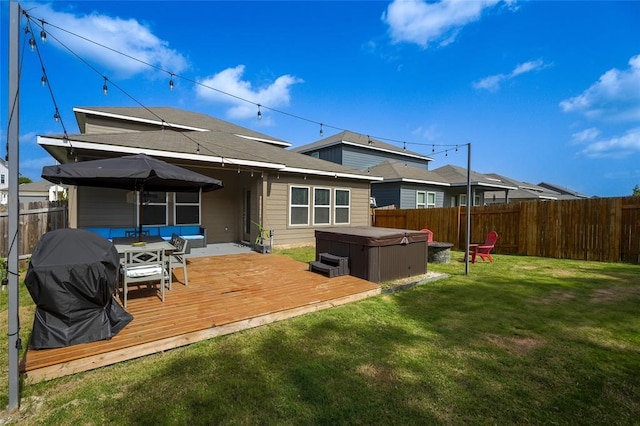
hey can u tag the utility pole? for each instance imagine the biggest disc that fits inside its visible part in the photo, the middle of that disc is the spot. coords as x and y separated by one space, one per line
13 207
469 203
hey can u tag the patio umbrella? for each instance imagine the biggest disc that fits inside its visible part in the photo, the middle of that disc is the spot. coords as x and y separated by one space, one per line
133 172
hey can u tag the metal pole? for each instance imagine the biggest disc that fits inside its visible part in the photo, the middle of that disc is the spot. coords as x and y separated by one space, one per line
469 201
13 207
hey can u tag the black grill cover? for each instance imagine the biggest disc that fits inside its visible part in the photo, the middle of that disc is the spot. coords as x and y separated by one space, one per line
72 278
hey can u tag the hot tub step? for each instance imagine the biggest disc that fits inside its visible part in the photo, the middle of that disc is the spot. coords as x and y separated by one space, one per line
333 260
323 268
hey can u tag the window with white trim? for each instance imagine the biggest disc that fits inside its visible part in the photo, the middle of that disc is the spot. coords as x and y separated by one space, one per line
154 208
187 208
299 205
421 199
2 179
342 206
321 206
431 200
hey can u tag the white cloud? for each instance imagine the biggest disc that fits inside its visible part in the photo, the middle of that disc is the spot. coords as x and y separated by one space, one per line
429 133
616 147
127 36
218 87
493 82
587 135
615 96
423 23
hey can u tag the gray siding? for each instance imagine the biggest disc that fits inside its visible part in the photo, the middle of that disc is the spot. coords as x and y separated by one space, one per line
408 195
386 194
362 159
332 153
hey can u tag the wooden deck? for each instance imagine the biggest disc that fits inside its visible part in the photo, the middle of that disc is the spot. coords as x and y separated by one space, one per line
225 294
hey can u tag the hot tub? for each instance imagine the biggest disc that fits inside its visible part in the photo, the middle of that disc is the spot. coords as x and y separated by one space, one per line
376 254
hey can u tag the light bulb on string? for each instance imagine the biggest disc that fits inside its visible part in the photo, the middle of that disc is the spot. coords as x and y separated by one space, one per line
433 149
43 80
43 34
404 146
171 84
456 148
32 44
259 112
369 141
105 88
321 131
56 116
198 149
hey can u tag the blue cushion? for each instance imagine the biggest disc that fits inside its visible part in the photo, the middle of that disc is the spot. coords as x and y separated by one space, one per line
190 230
103 232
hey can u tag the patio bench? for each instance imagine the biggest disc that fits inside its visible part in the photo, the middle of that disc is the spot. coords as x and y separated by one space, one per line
195 234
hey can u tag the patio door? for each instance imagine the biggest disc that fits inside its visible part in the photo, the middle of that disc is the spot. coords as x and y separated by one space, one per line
246 215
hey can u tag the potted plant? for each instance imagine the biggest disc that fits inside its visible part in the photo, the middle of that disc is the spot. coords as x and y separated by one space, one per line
263 240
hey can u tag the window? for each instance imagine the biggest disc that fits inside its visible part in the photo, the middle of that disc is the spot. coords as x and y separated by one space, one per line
2 179
299 205
154 208
421 199
463 199
321 206
342 206
431 200
187 208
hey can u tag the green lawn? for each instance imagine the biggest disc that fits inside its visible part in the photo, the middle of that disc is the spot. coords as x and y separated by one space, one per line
522 340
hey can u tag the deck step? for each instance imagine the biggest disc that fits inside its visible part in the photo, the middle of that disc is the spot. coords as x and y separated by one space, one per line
341 261
323 268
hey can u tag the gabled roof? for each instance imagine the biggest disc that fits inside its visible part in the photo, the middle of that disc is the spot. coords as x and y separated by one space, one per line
41 186
525 190
457 176
167 117
397 171
566 192
197 146
356 139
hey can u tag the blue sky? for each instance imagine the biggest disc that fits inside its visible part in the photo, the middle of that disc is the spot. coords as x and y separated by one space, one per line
543 90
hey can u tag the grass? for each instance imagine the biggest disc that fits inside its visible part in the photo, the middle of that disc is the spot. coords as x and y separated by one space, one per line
522 340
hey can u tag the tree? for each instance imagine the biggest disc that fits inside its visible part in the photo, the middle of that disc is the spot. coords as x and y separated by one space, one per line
26 179
636 191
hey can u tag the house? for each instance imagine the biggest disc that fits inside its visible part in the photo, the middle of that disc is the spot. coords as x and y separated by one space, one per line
360 152
407 187
286 192
4 182
565 193
524 192
480 184
407 183
41 191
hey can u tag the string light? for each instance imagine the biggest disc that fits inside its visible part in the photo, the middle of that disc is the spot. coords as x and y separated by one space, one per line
259 112
404 146
32 44
105 88
321 131
369 141
56 116
43 80
171 82
433 149
198 151
43 34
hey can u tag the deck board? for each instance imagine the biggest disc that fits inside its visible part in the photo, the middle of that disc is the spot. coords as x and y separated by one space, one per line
225 294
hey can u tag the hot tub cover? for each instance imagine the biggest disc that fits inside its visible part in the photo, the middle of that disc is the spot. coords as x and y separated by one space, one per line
72 278
370 236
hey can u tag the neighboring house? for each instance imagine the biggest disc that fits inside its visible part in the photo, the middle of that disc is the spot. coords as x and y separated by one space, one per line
407 187
360 151
525 192
284 191
407 182
4 181
41 191
480 184
565 193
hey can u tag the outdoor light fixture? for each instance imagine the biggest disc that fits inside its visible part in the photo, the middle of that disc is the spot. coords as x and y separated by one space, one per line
259 113
105 88
43 80
321 131
171 82
32 44
56 116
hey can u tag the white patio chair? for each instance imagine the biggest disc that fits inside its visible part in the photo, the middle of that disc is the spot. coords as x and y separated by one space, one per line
142 265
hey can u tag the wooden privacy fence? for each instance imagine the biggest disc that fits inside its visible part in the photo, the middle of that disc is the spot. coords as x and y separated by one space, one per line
601 229
36 219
